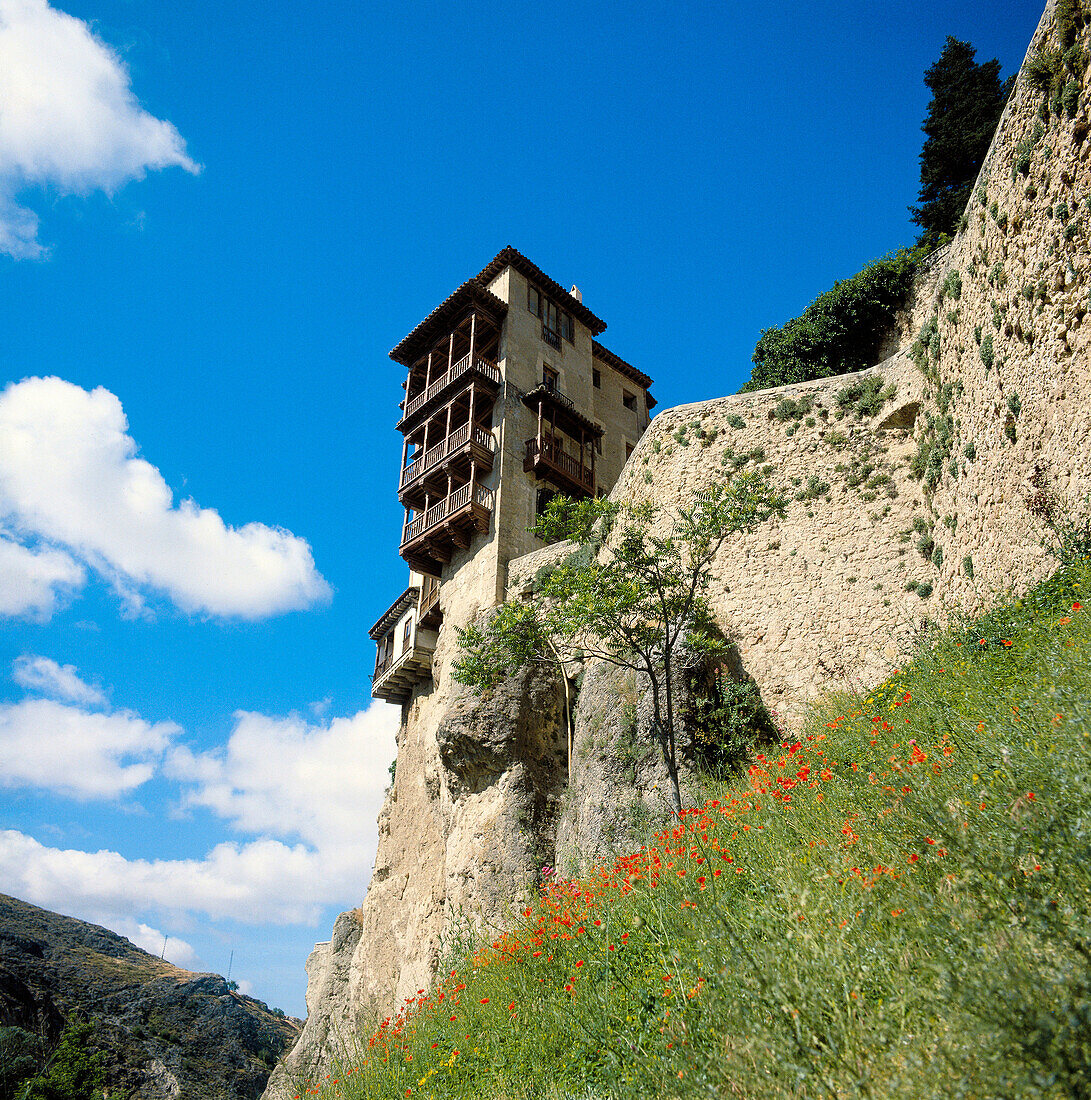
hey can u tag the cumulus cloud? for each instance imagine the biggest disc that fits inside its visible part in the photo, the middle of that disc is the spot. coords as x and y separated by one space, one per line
288 778
45 676
155 942
53 747
33 582
70 475
69 120
278 777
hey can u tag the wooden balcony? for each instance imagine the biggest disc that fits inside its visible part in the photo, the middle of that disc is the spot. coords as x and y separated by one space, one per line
461 372
394 678
458 450
430 536
551 463
429 615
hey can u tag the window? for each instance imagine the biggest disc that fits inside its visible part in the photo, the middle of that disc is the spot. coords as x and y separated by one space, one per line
555 324
550 378
407 637
628 399
628 451
596 377
542 501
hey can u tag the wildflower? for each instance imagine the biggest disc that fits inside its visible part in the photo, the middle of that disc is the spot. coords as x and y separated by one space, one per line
914 857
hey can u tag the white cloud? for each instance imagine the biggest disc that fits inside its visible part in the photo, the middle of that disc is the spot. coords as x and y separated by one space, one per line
53 747
285 777
69 120
155 942
69 474
45 676
34 582
278 777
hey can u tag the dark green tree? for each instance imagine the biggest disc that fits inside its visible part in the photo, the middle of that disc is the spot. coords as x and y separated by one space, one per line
967 99
75 1072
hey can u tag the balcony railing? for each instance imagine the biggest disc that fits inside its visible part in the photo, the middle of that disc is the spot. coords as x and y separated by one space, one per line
429 600
551 454
553 339
483 366
463 495
458 438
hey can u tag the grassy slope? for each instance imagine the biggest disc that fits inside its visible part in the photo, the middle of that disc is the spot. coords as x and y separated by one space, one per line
894 906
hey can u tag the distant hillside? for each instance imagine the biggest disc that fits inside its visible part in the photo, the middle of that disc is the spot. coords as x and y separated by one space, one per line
165 1032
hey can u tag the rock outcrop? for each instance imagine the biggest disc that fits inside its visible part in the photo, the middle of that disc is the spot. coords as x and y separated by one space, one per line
165 1032
934 480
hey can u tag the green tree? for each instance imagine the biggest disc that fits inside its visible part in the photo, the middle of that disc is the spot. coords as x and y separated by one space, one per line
967 99
75 1072
21 1056
631 594
841 330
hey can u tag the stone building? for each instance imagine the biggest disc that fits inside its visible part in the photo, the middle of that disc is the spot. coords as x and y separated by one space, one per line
509 399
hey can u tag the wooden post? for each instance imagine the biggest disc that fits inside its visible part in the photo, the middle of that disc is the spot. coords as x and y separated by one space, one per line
593 449
539 427
473 333
424 446
447 436
583 449
428 373
405 455
405 524
450 352
473 390
447 508
473 481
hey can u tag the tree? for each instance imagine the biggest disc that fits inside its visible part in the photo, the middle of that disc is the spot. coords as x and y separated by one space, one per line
967 99
75 1072
631 594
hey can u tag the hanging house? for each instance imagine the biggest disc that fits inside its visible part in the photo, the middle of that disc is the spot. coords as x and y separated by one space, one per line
509 398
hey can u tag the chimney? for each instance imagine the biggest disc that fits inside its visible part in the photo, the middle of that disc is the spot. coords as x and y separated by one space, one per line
577 294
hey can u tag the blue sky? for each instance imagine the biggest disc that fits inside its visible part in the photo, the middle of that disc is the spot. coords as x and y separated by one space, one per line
239 210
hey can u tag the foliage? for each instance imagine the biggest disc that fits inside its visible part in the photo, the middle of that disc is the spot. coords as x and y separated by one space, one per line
75 1072
892 904
632 603
21 1057
967 99
730 719
865 396
841 330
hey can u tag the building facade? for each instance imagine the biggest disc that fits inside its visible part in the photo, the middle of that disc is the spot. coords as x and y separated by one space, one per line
509 399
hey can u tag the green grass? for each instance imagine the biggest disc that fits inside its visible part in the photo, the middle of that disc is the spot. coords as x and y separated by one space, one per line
895 905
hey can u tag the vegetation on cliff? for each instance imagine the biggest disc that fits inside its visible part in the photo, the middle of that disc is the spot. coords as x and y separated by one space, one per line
632 593
842 330
81 1007
893 904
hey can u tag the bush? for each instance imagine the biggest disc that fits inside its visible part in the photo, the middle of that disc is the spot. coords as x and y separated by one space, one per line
841 330
729 720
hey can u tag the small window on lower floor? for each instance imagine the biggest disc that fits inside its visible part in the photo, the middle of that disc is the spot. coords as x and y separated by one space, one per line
628 451
628 399
542 501
596 377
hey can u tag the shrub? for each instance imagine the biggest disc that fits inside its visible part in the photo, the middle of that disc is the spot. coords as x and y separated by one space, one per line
986 351
736 421
1015 404
841 331
968 566
729 719
952 286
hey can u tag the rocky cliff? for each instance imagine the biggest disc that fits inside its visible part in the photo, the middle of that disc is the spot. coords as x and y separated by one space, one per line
931 481
165 1032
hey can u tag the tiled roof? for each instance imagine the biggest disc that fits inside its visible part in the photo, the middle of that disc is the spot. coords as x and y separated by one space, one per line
395 611
511 257
619 364
472 292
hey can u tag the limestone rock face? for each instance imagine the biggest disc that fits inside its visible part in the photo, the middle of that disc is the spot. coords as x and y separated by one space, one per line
465 831
938 491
